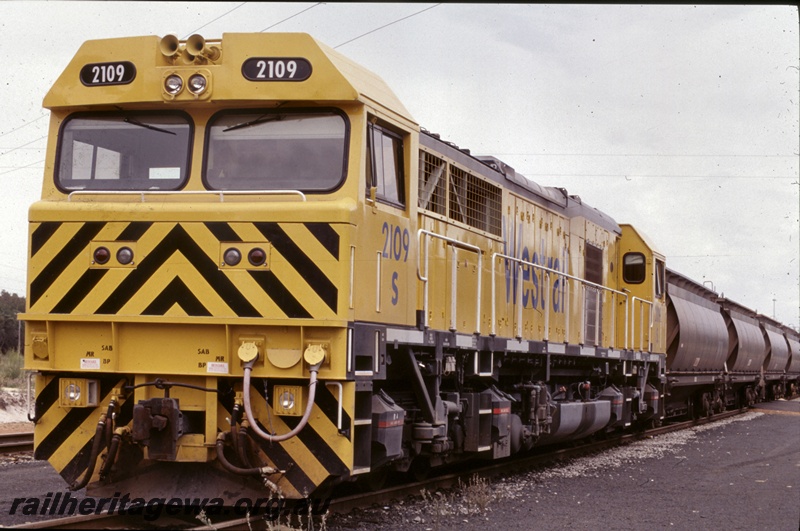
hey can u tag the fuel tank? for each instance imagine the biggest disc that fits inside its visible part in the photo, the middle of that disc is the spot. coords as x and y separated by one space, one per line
574 420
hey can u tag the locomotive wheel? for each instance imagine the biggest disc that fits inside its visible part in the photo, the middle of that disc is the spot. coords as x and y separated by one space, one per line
325 490
375 480
420 468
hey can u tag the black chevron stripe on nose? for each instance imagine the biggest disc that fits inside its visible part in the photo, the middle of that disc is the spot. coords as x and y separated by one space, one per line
178 241
321 284
178 292
64 257
91 277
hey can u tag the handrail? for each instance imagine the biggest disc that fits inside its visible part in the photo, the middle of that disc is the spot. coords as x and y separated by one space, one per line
456 244
220 193
641 320
584 283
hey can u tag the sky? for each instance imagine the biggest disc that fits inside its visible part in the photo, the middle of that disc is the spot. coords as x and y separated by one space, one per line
680 120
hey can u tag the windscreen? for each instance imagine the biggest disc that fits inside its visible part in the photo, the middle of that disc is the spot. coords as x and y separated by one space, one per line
124 151
276 151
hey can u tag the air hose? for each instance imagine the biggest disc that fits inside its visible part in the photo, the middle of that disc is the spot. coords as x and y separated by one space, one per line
312 384
113 448
97 442
263 472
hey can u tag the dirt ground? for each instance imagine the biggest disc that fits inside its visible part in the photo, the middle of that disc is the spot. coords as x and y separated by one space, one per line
13 413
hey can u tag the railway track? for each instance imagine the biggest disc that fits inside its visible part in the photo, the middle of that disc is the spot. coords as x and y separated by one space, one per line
393 493
387 495
515 466
16 442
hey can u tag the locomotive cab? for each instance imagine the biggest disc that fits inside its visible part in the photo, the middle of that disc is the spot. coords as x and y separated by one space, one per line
192 262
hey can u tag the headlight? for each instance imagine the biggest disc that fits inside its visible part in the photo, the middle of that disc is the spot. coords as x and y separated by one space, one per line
173 84
197 84
232 257
125 255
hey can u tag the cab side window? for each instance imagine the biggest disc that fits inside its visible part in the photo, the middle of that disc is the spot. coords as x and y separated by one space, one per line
659 284
385 165
633 268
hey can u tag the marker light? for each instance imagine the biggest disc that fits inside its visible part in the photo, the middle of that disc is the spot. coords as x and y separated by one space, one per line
101 255
289 400
257 256
125 255
72 393
173 84
197 84
232 256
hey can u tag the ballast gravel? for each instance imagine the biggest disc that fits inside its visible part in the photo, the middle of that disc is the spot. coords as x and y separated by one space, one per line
738 473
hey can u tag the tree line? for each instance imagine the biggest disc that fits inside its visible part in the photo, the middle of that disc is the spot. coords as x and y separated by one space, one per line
10 305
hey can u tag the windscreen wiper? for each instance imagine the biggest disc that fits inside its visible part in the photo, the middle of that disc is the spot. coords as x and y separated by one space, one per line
148 126
264 118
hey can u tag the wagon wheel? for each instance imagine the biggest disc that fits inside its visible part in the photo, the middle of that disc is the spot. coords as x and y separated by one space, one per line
706 405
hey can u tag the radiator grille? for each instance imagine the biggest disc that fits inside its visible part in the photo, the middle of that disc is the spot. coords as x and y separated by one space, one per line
432 179
474 201
466 199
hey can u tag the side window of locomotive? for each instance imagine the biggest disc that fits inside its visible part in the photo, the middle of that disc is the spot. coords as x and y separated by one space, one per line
385 165
633 268
124 151
271 150
659 283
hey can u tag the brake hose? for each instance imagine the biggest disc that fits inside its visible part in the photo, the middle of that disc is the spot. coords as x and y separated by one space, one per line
312 384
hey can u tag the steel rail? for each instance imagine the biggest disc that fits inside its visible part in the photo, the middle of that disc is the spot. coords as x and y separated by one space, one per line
16 442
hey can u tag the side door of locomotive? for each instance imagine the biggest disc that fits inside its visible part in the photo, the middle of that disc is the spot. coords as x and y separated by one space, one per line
388 235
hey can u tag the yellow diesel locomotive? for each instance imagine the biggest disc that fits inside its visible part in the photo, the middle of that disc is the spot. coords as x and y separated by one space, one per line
252 272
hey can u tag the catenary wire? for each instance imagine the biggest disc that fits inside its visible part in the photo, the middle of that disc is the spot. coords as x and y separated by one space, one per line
216 19
22 167
22 145
386 25
287 18
26 124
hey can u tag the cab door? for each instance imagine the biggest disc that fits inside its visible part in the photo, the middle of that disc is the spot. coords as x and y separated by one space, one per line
385 256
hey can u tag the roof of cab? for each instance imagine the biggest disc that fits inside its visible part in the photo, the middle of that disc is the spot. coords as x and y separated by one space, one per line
334 77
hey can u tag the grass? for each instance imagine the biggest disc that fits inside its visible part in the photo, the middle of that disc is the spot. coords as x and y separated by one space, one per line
471 499
11 372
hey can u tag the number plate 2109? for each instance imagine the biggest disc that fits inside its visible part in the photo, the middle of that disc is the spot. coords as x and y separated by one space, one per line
102 74
276 69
